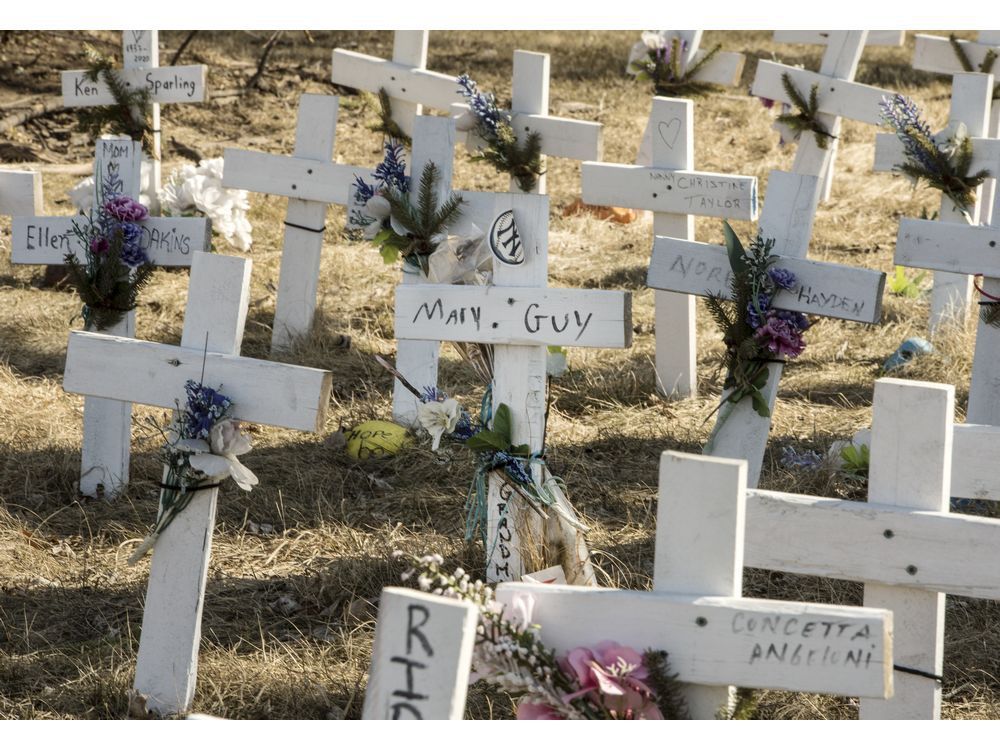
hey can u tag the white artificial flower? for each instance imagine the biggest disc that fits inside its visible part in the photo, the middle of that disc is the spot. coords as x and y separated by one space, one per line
948 139
438 418
378 207
217 457
522 607
371 230
466 121
199 189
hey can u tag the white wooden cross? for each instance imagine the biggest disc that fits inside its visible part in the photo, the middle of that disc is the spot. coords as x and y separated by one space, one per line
825 289
421 656
561 136
713 637
406 80
904 544
168 242
838 96
875 38
20 192
936 55
970 104
520 317
150 373
675 193
310 180
180 84
724 69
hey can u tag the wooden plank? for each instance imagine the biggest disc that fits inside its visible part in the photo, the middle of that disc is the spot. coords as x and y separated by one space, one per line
725 69
714 640
20 192
408 48
421 656
700 522
872 542
517 316
941 246
263 392
855 101
175 85
889 154
976 453
911 452
405 82
169 241
307 179
529 94
935 54
984 388
674 191
875 38
827 289
141 51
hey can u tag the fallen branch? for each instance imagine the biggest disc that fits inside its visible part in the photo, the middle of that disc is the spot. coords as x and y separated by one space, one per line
184 45
262 62
38 110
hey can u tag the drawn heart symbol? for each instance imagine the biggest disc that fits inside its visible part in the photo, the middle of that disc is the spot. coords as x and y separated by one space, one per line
670 131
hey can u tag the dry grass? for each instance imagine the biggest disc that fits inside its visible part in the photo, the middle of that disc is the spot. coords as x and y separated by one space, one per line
70 609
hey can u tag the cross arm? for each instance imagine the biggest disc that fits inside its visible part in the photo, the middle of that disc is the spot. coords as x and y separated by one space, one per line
723 640
955 248
514 315
875 38
855 101
670 190
873 543
935 54
724 69
976 454
828 289
561 136
290 176
174 85
20 192
169 241
889 153
262 392
405 82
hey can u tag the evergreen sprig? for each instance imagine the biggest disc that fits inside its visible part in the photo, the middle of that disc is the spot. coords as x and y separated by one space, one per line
424 223
807 118
131 112
668 74
665 686
387 126
108 289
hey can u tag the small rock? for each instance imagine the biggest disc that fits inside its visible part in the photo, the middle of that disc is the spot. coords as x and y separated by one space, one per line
286 605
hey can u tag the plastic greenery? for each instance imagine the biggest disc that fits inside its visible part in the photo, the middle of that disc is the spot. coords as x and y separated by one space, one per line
115 267
901 284
606 681
661 61
807 118
388 127
130 114
943 159
856 459
520 158
753 331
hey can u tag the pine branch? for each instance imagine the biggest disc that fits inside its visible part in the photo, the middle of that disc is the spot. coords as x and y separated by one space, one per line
963 59
693 70
388 127
665 686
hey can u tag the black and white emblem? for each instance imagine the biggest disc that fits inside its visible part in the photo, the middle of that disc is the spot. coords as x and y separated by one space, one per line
505 242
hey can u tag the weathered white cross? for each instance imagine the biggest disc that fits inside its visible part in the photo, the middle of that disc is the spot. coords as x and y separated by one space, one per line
970 104
20 193
167 241
838 97
903 543
825 289
561 136
181 84
874 39
406 80
520 317
131 371
310 180
936 55
675 193
715 638
421 656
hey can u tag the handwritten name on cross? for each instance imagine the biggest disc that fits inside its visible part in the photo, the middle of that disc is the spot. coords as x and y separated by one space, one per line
311 181
695 613
825 289
970 104
904 544
520 316
561 136
262 392
421 656
406 80
181 84
675 194
168 242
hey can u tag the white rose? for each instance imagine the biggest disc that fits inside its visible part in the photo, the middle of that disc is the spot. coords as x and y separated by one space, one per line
438 418
217 457
378 207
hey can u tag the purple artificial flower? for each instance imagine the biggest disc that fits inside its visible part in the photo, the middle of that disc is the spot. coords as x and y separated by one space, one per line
133 254
363 192
753 316
903 116
124 208
782 278
205 406
794 319
391 172
780 337
483 106
793 459
99 246
767 103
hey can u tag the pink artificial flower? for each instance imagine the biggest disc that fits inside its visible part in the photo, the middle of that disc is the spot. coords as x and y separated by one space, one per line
99 246
124 208
780 336
612 675
536 711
